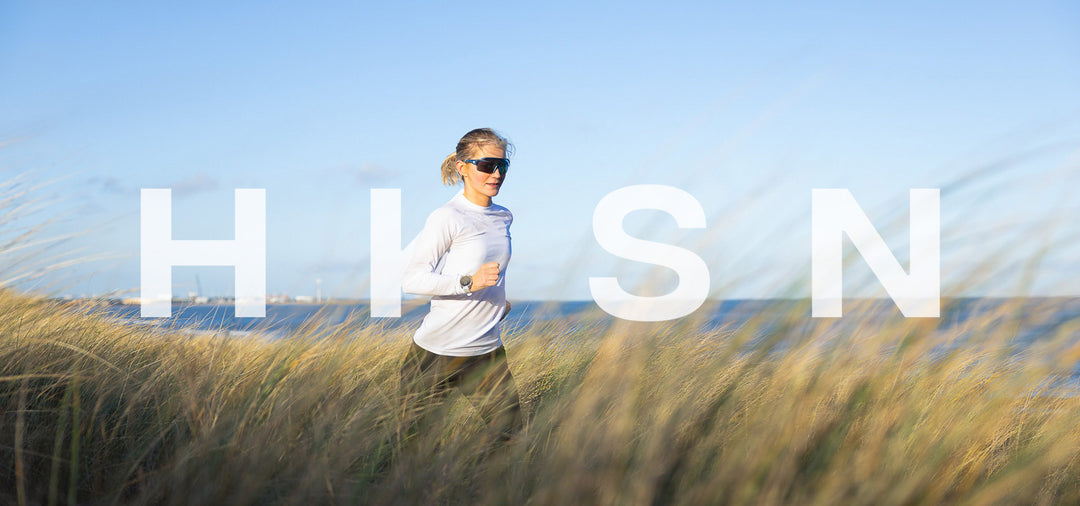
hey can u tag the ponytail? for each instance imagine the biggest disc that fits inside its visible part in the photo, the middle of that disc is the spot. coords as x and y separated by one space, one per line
450 174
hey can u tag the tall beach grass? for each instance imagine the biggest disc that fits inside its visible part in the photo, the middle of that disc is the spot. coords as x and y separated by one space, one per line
860 411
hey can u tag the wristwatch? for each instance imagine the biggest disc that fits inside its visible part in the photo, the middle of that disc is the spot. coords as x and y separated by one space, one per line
466 283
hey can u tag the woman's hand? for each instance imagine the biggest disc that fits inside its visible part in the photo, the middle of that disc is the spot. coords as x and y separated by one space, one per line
486 276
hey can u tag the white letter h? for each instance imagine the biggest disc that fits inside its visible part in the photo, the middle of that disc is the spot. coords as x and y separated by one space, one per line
246 253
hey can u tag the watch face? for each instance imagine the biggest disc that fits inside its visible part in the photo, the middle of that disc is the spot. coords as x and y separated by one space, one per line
466 280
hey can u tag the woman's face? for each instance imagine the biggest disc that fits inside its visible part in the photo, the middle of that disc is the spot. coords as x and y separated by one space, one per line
480 187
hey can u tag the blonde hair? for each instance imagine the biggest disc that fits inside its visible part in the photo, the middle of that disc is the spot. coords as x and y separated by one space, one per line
467 148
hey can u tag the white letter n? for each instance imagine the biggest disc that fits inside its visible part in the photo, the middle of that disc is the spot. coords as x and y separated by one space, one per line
835 212
246 253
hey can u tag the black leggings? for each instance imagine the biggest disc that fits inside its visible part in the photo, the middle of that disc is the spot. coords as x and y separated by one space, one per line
485 380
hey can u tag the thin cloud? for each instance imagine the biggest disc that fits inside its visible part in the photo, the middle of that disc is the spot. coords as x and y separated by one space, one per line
366 173
193 185
363 174
108 184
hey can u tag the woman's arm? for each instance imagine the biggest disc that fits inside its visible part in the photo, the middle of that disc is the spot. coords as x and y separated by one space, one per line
429 247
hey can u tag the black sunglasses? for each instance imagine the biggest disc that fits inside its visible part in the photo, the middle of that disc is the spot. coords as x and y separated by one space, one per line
489 165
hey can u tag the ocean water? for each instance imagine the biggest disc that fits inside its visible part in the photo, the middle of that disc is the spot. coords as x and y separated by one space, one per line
962 323
1034 318
283 319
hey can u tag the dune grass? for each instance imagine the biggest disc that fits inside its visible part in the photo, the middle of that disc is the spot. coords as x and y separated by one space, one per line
777 411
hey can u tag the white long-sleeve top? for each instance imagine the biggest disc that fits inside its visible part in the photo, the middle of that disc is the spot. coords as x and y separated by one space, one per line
457 239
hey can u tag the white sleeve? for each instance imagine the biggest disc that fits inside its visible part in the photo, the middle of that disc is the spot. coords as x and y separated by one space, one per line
421 272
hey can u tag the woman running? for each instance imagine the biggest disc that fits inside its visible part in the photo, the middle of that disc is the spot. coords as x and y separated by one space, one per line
460 260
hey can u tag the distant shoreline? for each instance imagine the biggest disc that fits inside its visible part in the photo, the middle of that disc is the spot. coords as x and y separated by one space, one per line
217 301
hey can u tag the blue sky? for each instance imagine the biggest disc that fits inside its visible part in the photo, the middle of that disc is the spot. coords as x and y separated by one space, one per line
747 106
